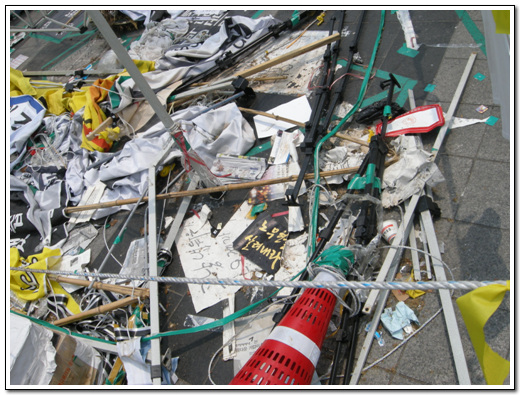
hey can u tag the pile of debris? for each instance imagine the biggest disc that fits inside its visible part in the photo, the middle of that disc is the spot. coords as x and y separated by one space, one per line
176 118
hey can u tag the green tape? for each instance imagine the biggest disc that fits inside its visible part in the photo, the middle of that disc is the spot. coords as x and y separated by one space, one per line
73 48
260 148
119 238
477 35
257 14
258 209
479 76
492 120
338 257
60 329
404 50
429 88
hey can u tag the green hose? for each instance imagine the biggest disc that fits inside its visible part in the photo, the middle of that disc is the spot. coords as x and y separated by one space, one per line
314 217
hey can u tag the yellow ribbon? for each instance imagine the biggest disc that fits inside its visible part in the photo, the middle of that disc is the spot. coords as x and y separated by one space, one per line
476 308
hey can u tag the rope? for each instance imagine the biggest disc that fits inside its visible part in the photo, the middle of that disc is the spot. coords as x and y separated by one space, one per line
399 285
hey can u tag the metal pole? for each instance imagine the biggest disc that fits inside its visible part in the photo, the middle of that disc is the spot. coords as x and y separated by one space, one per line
156 370
130 66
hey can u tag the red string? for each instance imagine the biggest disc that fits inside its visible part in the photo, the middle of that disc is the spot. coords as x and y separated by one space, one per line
242 259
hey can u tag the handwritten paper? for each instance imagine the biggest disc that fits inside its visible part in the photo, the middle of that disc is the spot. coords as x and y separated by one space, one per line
203 256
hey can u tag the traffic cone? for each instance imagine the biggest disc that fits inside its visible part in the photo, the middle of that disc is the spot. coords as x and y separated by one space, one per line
290 353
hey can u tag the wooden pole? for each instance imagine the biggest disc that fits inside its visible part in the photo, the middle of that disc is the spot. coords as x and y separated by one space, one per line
353 139
288 56
98 310
277 117
204 191
120 289
221 188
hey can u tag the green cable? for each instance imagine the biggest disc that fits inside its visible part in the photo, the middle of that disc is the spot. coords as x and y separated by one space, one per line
314 218
219 322
211 325
60 329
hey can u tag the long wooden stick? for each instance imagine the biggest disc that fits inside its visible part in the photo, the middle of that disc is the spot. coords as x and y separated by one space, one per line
277 117
353 139
222 188
120 289
98 310
226 82
288 56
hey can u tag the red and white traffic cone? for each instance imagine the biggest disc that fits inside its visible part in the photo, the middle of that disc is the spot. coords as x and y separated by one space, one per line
290 353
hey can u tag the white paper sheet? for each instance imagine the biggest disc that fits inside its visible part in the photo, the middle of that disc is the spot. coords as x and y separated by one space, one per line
297 110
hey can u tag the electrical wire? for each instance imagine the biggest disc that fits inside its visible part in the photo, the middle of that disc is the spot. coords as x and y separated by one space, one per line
106 243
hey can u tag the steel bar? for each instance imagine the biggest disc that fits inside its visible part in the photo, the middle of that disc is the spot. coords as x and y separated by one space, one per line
447 306
154 286
130 66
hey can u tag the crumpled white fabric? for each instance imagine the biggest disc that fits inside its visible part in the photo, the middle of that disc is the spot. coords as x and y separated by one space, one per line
220 131
41 206
137 371
158 37
409 175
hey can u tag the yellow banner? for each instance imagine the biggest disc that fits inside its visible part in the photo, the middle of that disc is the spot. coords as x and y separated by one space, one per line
32 286
476 308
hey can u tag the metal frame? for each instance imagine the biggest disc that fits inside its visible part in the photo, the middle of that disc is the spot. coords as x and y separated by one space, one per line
36 27
389 267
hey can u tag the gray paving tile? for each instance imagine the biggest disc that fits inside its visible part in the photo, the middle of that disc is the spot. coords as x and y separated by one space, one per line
426 357
447 80
376 376
494 146
478 92
475 252
377 351
475 15
486 198
447 194
464 141
461 44
399 379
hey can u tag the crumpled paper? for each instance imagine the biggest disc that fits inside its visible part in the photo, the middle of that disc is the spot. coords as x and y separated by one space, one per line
398 321
409 175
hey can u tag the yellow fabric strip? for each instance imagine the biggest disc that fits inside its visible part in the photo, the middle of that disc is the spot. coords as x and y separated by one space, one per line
476 308
502 21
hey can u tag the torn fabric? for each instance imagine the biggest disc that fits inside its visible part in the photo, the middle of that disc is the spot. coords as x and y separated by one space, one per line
188 61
